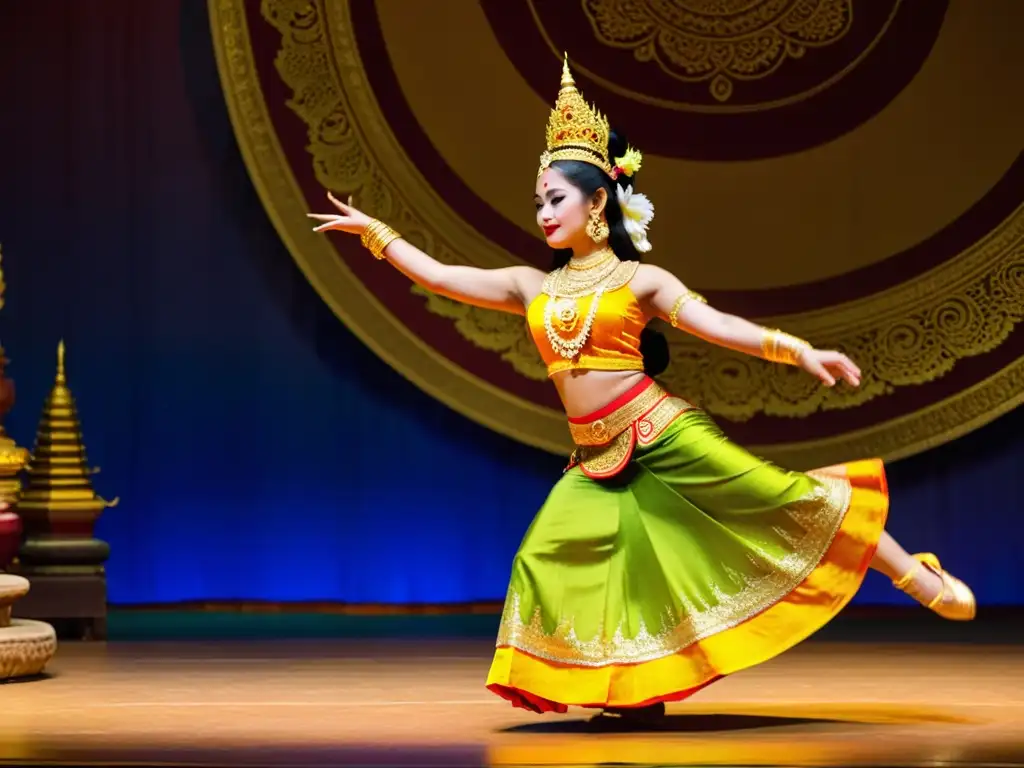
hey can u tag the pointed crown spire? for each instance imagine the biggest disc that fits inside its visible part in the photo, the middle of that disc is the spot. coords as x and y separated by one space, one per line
567 81
576 131
61 377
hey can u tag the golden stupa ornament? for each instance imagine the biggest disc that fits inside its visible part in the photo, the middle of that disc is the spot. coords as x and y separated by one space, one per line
12 460
58 483
576 131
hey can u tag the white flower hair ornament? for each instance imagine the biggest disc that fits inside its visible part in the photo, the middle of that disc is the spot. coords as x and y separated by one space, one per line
637 210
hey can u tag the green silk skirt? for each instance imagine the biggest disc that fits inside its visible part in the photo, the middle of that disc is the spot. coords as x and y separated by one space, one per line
695 561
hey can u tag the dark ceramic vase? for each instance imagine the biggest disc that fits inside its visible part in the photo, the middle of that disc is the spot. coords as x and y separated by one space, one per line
10 537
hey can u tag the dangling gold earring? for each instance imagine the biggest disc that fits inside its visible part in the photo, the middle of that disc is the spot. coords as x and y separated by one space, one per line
596 229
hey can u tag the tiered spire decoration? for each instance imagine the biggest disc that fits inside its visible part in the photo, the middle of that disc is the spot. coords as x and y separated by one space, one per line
58 493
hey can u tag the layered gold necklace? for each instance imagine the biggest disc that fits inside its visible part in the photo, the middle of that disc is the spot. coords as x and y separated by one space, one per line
577 279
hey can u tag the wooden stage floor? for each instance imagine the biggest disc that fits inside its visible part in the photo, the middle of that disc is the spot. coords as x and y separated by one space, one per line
292 703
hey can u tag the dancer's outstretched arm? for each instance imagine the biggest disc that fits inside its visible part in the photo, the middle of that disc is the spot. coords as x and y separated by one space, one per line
502 289
686 310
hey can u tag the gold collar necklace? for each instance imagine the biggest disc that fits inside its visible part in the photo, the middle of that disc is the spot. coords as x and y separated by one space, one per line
593 261
580 279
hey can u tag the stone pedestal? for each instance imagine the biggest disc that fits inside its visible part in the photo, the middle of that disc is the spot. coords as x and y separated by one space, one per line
76 602
26 646
69 583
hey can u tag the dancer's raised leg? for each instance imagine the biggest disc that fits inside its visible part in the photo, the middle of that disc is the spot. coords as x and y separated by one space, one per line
922 577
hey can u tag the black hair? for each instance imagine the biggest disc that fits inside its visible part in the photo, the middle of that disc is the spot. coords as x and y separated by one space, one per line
588 179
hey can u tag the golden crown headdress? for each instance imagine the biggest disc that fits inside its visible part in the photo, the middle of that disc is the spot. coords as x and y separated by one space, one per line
577 131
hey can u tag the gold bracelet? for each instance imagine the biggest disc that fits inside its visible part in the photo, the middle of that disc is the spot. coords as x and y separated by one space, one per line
779 347
377 237
674 316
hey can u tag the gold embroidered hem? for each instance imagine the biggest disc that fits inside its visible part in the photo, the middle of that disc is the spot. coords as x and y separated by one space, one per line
698 561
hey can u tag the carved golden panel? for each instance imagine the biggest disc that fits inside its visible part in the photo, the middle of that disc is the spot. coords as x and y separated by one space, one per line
719 41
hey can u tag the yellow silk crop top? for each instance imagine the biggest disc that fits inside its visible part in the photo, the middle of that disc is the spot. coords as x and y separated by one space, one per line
613 341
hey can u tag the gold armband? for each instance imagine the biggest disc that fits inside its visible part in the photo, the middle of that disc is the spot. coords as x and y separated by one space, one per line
377 236
779 347
674 316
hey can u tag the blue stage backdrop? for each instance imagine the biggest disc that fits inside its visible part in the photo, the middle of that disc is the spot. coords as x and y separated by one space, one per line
259 450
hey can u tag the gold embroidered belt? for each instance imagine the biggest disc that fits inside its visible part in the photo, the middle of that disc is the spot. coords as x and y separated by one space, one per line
605 440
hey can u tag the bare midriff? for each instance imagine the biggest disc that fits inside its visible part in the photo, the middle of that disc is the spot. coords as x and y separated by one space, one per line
585 391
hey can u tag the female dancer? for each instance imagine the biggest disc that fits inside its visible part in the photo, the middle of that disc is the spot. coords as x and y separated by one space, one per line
665 557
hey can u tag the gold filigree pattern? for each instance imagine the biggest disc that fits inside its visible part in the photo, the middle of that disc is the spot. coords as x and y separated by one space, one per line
650 427
624 272
719 41
813 524
607 459
352 150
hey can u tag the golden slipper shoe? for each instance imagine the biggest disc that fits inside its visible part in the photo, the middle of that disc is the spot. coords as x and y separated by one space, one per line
955 600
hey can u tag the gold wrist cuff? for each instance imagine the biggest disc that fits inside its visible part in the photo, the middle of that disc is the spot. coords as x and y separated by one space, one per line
680 302
779 347
377 237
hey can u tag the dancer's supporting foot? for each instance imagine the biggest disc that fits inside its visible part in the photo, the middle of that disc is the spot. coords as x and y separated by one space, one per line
648 714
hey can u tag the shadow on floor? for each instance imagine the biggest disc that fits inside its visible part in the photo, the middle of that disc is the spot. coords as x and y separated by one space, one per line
26 679
675 724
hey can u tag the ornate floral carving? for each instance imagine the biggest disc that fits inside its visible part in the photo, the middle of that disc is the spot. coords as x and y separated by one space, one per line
909 335
331 99
719 41
918 431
